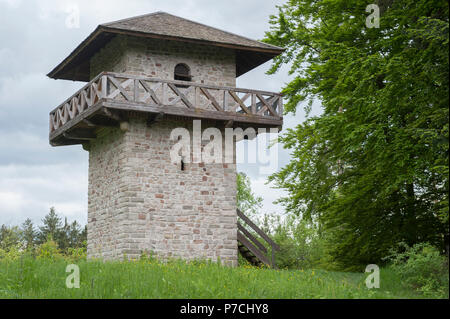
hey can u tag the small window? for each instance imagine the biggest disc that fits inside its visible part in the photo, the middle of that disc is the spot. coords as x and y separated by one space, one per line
182 72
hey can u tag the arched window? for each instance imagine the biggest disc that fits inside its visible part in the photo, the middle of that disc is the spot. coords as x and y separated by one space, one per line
182 72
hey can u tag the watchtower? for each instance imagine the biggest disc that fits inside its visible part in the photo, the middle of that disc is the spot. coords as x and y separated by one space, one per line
147 76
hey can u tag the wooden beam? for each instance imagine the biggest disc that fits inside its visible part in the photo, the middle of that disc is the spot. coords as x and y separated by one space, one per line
257 230
251 237
196 113
181 95
80 134
113 115
154 118
211 98
255 251
88 123
229 123
241 104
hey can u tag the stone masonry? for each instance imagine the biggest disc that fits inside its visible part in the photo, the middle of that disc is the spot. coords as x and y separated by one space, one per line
138 200
157 58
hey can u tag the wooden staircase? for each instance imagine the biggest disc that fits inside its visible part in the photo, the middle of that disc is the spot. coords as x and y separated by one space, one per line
250 247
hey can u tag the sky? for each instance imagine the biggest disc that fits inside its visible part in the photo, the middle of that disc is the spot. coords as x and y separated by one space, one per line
35 35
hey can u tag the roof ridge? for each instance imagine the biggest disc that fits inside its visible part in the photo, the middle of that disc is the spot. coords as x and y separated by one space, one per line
135 17
192 21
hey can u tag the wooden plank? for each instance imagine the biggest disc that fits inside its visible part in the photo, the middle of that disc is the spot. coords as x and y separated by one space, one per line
225 100
257 230
280 106
211 98
253 103
251 237
229 123
207 86
269 107
103 87
79 136
113 115
181 95
195 113
150 92
255 251
88 85
66 126
136 90
120 88
238 100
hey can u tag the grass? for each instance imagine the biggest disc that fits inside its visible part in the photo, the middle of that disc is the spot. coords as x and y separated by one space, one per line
27 277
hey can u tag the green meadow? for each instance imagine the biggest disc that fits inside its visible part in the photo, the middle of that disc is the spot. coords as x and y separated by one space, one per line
29 277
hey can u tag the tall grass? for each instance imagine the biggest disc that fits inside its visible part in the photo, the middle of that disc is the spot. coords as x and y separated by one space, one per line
27 277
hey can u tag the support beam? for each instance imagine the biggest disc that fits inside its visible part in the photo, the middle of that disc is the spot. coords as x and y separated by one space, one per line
113 115
80 134
154 118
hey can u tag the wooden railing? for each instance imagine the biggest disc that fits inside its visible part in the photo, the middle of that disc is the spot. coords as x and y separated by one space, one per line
149 91
247 239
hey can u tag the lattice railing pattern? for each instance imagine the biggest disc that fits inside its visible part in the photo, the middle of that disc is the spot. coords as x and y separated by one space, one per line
152 91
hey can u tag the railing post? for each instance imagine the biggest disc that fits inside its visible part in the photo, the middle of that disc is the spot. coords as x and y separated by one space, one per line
280 106
104 90
136 90
254 103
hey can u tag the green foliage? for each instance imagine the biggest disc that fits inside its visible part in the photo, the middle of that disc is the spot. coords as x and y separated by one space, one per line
12 253
49 250
51 227
69 238
247 202
28 234
9 237
301 247
372 169
422 267
77 253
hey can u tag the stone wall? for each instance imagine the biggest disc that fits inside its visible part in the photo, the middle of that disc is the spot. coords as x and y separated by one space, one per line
158 58
140 201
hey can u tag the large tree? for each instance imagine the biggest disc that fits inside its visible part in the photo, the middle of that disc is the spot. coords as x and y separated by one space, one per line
372 169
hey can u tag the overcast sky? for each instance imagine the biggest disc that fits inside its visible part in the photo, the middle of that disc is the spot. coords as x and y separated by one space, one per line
34 38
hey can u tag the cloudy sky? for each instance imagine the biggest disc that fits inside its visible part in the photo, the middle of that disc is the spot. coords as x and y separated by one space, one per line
35 35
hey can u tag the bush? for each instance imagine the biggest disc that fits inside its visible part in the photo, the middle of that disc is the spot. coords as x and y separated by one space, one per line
422 268
49 250
12 253
301 246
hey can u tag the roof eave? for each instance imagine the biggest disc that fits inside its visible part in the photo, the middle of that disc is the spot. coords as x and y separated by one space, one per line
105 29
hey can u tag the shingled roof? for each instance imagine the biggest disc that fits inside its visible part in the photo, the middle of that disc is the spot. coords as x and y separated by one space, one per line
162 25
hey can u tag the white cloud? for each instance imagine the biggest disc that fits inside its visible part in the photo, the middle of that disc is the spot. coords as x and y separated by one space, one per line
11 3
269 195
29 191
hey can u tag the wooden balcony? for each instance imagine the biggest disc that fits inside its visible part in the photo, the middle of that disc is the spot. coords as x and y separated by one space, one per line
110 97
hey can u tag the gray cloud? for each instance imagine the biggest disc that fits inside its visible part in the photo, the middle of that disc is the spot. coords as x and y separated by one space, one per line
33 39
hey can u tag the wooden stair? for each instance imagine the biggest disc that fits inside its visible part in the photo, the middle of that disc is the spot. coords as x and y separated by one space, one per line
250 247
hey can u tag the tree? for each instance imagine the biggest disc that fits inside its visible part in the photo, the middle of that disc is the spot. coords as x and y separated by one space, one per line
51 227
372 169
9 237
247 202
28 234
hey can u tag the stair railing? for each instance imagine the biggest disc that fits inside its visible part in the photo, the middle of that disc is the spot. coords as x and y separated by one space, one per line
253 244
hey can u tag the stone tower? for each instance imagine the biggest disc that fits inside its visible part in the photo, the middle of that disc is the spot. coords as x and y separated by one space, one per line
147 76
